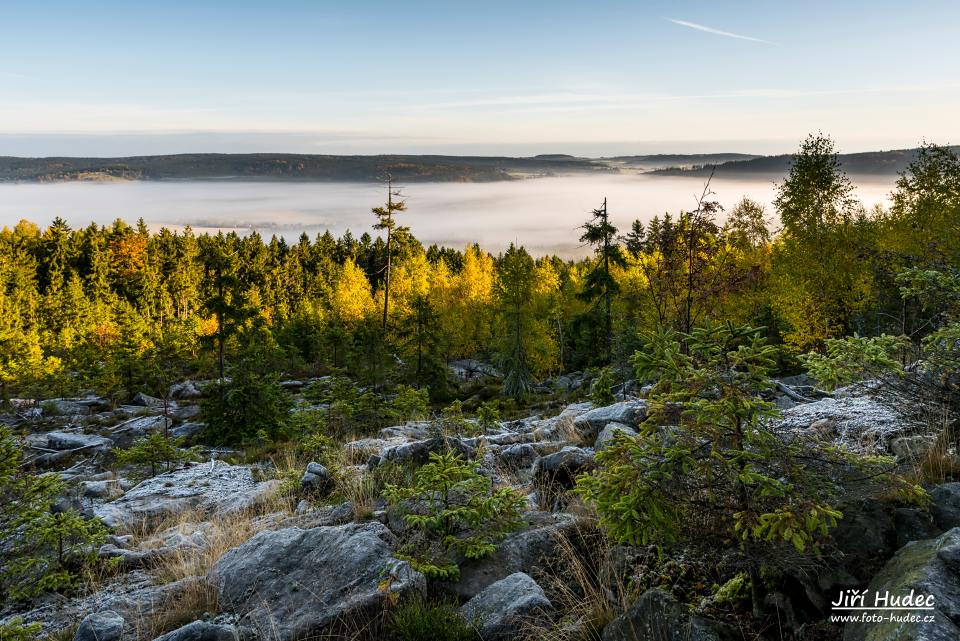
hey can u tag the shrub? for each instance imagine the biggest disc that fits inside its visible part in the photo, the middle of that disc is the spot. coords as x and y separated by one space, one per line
418 619
452 511
41 550
249 406
488 415
17 630
601 392
410 404
718 471
856 358
154 450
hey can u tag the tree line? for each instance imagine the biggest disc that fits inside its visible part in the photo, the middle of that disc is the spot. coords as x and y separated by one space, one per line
119 309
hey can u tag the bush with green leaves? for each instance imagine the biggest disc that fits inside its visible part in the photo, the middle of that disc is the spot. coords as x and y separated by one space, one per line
856 358
155 450
709 466
350 409
250 406
601 392
488 415
418 619
17 630
453 513
42 550
410 404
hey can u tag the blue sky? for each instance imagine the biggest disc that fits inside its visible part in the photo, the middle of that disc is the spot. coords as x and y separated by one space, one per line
111 78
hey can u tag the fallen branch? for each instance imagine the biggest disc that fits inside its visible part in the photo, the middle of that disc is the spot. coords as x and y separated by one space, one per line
792 394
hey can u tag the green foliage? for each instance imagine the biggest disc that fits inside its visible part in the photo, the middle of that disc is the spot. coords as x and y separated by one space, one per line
153 450
601 391
600 284
708 467
453 512
17 630
856 358
514 293
249 406
410 404
488 415
721 472
351 409
42 550
418 620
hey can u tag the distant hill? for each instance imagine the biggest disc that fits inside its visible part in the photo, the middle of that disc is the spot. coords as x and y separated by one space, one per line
303 167
664 161
411 168
878 163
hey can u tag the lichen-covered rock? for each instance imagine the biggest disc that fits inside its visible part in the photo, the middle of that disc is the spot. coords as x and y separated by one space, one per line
76 440
204 631
500 610
560 469
522 551
657 615
925 568
297 582
609 433
858 422
134 597
100 626
316 479
215 487
630 413
946 505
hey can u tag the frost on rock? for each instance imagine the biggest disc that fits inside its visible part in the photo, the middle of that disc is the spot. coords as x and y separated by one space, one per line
214 487
858 423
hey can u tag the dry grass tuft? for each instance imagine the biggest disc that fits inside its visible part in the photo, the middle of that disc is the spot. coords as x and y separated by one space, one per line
578 588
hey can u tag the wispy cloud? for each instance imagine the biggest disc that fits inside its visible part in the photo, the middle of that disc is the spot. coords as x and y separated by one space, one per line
10 74
717 32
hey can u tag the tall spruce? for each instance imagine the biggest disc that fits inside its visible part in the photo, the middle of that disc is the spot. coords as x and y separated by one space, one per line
600 285
386 221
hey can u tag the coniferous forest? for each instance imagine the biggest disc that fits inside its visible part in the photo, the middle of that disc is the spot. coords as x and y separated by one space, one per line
710 426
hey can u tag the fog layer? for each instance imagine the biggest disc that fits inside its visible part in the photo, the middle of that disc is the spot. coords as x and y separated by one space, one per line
542 214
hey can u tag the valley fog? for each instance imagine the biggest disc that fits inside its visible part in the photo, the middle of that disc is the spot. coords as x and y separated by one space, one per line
543 214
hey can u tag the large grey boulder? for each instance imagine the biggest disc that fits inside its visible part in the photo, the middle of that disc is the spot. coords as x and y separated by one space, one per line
203 631
657 615
630 413
145 400
214 488
500 610
946 505
860 544
857 422
77 440
560 470
317 479
185 390
297 582
65 407
522 551
924 568
609 433
134 596
100 626
419 451
187 430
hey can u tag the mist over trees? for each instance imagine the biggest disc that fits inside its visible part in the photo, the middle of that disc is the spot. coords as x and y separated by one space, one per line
106 307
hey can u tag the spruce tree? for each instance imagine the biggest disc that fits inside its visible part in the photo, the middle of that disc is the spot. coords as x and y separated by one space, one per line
385 221
600 285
